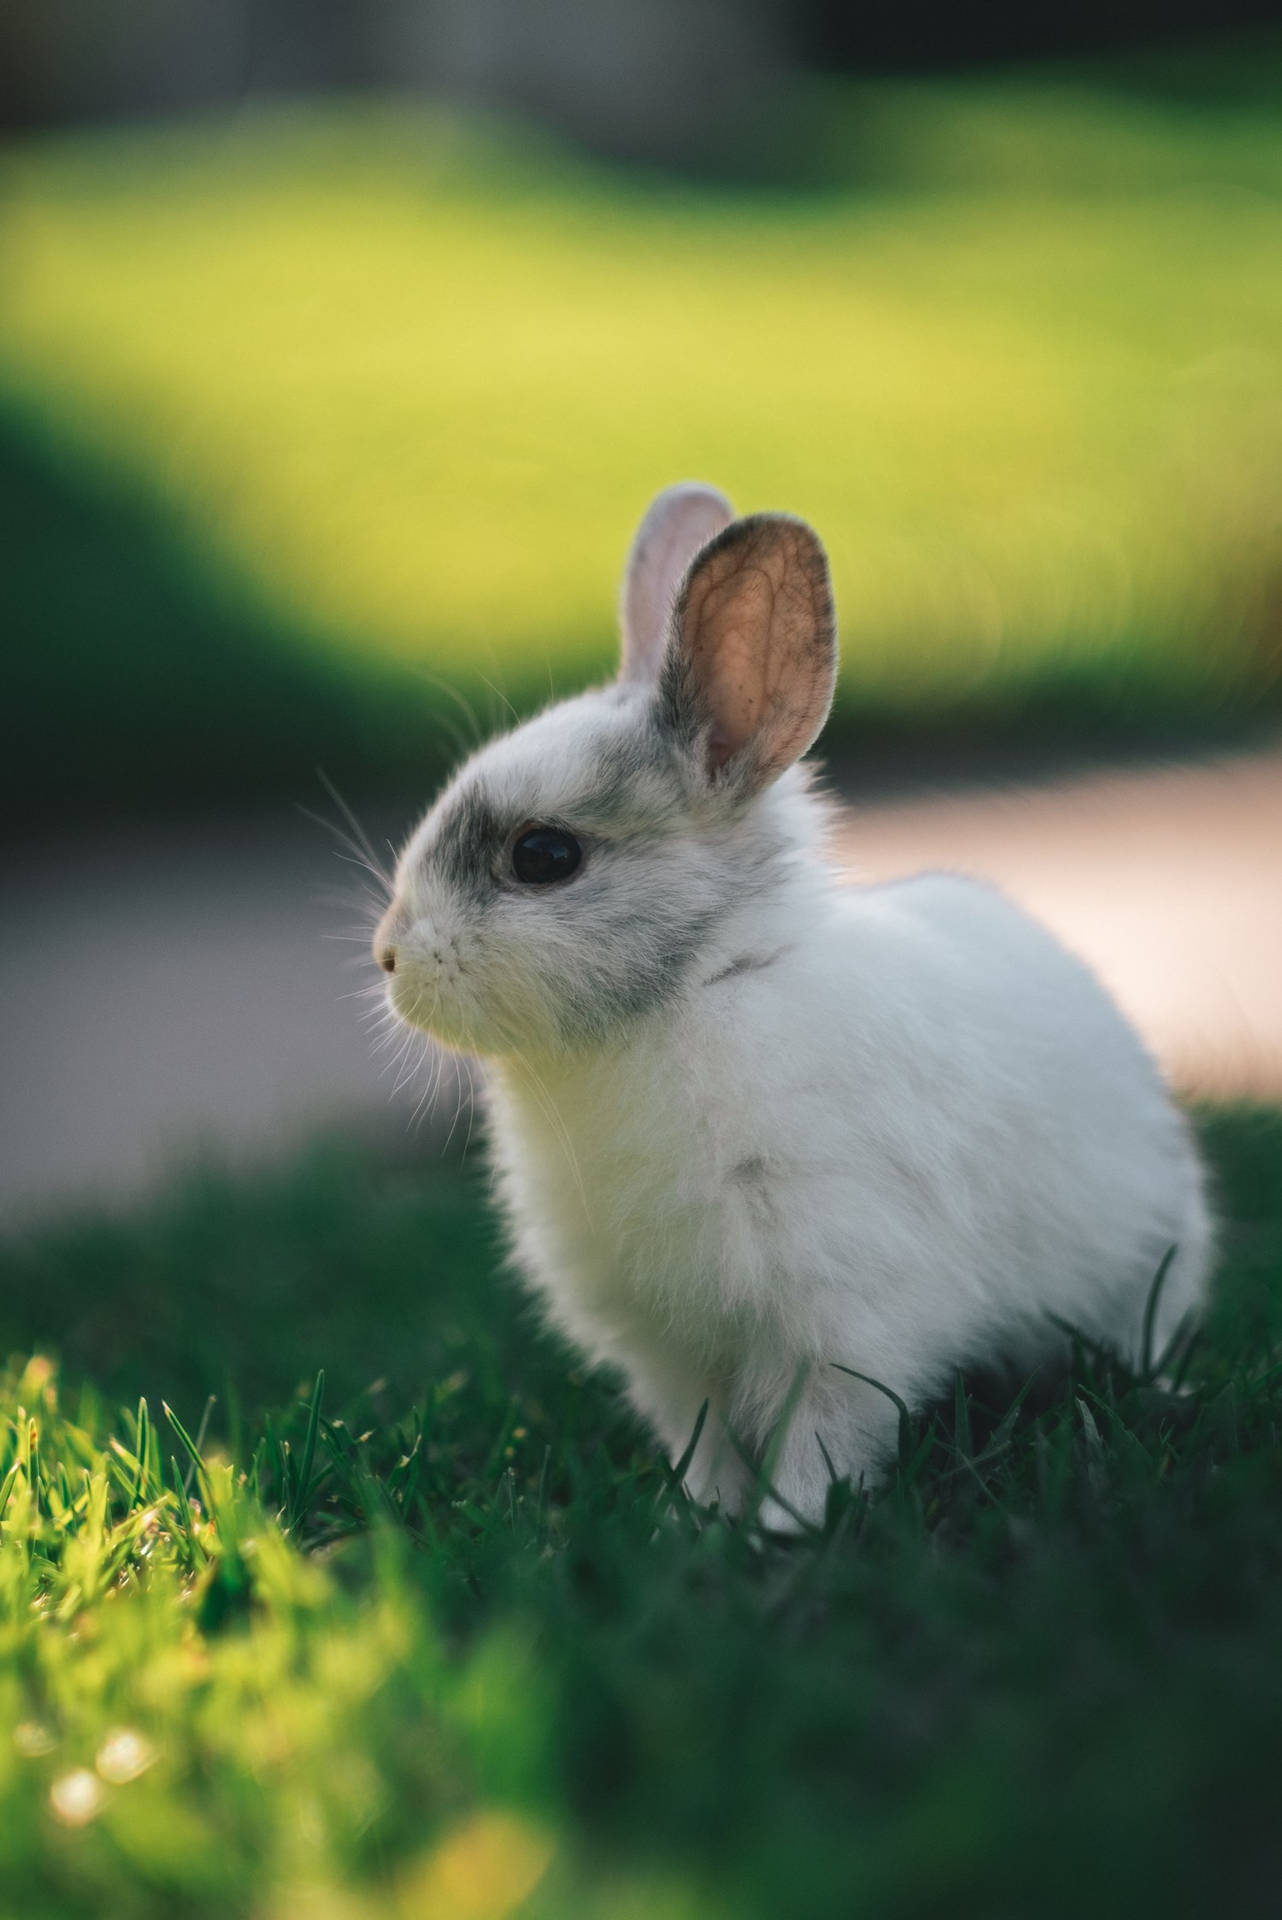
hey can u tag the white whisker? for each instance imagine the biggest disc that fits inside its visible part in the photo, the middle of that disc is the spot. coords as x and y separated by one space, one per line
461 743
357 834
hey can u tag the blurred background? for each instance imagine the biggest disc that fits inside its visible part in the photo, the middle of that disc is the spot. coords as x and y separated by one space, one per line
342 347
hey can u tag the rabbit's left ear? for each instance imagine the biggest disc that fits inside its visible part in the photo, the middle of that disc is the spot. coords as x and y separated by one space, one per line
679 521
752 662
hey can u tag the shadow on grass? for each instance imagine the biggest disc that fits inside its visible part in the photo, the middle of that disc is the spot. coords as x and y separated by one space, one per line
141 680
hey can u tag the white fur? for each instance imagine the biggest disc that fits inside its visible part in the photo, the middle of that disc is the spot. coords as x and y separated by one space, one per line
891 1129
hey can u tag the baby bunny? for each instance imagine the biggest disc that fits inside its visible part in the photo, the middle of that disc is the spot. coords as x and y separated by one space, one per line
759 1132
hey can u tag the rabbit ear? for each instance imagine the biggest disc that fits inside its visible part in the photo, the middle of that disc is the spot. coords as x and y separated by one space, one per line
678 522
750 671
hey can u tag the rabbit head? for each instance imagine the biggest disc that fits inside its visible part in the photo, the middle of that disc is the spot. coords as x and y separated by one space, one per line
571 871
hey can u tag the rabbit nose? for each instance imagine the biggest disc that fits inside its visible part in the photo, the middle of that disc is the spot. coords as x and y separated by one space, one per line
384 942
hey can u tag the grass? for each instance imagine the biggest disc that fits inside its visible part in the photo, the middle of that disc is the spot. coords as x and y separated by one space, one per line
404 381
454 1643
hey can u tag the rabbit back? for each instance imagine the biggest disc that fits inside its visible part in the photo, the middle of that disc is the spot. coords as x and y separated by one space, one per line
913 1137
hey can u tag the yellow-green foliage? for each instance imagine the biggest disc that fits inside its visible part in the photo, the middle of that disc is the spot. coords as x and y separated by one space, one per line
187 1698
415 378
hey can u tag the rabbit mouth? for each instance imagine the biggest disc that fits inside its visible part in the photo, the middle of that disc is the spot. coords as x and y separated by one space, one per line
435 995
422 993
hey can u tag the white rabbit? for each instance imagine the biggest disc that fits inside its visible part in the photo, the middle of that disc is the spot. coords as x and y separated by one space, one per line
754 1126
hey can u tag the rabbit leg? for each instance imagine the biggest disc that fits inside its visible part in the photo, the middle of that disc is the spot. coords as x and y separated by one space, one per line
718 1474
835 1427
675 1401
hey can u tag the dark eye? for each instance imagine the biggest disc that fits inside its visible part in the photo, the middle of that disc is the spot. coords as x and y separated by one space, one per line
542 854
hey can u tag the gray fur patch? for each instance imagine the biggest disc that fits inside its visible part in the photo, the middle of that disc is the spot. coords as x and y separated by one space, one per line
627 788
746 963
749 1173
467 842
637 965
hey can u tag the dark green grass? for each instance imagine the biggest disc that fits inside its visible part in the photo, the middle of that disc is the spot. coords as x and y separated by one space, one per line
464 1616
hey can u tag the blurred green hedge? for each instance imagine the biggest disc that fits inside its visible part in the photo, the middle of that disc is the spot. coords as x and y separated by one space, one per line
312 420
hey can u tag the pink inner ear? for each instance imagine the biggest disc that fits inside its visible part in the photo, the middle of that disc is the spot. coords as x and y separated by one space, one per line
757 629
720 748
738 623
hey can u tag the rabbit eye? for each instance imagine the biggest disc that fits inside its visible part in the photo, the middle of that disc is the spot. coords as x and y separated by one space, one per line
544 854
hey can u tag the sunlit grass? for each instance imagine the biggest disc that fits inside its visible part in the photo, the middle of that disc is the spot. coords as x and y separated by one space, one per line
452 1646
1021 362
190 1702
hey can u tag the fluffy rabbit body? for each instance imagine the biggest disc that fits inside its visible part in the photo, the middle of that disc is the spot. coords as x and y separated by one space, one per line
759 1131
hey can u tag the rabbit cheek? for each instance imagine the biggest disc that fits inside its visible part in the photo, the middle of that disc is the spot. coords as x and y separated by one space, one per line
516 999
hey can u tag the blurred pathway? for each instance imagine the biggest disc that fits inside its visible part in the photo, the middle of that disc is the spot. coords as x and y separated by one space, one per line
166 997
1168 881
163 994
